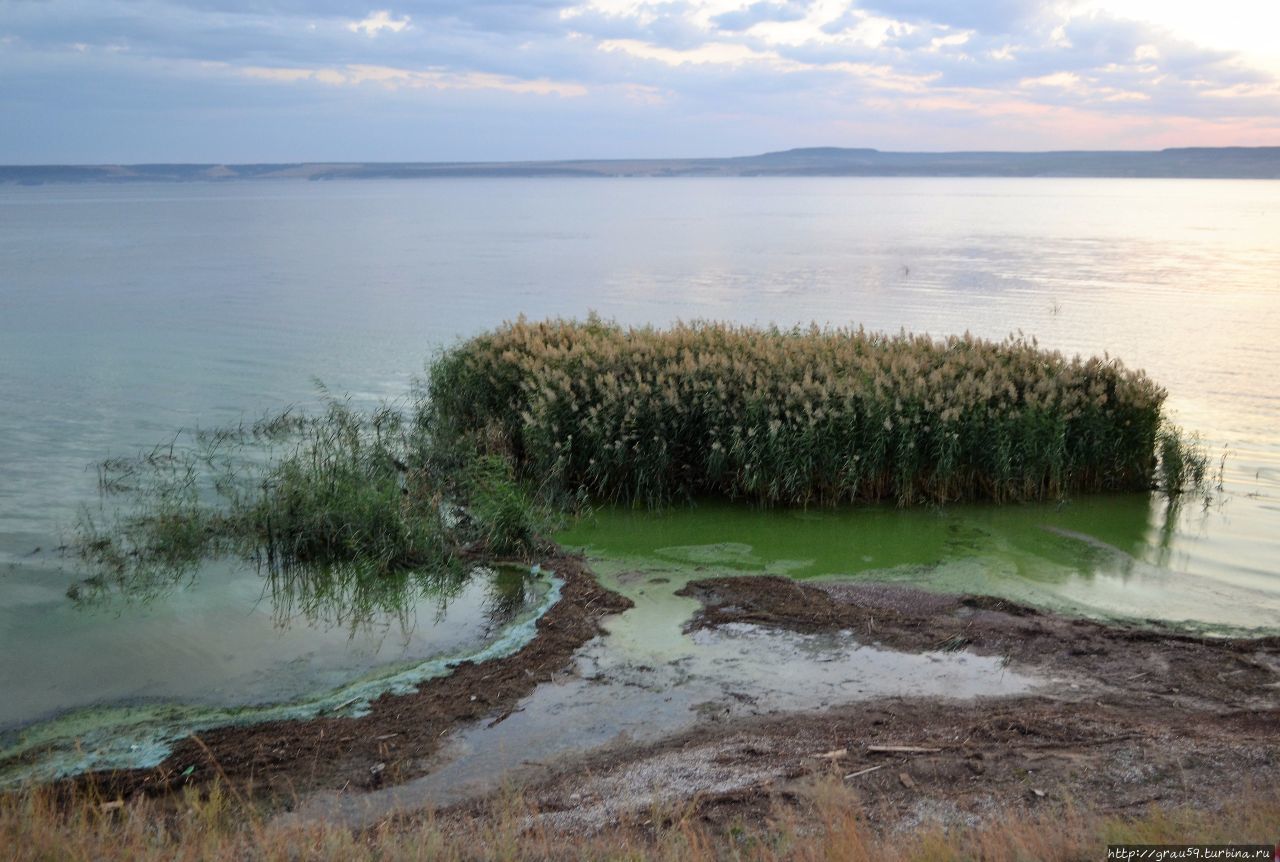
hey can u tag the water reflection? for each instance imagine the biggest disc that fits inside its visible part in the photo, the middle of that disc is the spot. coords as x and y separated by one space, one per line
148 680
357 596
237 636
507 594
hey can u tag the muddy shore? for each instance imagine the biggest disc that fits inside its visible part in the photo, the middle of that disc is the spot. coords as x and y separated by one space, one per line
1129 716
1138 717
1115 661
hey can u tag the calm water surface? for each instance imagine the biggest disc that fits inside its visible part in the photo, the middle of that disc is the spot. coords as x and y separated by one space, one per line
128 312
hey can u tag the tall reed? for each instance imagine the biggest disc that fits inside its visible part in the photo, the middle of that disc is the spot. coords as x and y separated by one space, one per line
799 416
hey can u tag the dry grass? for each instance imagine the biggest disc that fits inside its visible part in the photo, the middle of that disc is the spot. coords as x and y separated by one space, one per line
827 826
799 416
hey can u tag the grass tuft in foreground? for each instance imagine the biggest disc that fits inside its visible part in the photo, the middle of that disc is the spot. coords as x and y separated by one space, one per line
804 415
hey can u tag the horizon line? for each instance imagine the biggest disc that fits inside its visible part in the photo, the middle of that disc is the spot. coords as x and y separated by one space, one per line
816 149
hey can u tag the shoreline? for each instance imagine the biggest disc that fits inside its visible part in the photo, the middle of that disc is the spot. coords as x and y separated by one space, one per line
1194 729
278 760
1127 717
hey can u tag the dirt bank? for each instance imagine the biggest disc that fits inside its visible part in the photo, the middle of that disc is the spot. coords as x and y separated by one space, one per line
923 762
288 758
1121 661
1132 717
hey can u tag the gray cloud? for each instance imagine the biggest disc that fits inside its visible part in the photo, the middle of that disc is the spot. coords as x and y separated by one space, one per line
988 16
128 70
761 12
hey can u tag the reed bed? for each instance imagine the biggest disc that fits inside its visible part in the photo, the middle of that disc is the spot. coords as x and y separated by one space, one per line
520 426
801 416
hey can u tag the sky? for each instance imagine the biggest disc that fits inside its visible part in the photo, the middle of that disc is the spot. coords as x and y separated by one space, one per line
127 81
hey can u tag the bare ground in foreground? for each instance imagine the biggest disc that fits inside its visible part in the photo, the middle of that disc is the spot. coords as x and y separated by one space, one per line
1134 717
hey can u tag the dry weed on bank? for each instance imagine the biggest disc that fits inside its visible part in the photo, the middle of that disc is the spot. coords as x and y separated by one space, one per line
825 825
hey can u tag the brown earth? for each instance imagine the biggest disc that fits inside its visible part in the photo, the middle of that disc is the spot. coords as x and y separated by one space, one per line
1127 661
1135 717
975 762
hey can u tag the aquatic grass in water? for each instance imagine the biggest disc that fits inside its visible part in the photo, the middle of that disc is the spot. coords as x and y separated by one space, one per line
1183 462
804 415
522 424
347 511
345 493
505 513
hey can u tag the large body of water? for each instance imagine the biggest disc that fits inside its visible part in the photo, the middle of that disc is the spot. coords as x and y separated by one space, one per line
127 312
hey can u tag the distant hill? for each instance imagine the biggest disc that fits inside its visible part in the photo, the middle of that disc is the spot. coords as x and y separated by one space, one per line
1191 162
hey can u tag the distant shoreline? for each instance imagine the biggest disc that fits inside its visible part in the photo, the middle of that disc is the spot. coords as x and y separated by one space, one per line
1183 163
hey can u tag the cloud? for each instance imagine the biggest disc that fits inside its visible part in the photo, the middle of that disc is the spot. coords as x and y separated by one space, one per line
988 16
667 73
378 21
761 12
393 79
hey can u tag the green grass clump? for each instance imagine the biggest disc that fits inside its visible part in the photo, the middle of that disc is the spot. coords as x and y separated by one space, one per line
1183 463
344 492
800 416
506 514
344 509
